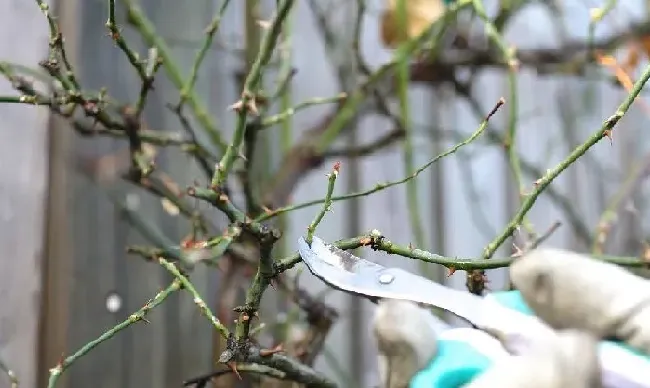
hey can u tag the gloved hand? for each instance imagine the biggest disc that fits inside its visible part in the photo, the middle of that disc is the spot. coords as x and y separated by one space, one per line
595 300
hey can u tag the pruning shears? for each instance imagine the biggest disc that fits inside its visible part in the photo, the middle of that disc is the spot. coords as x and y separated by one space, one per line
622 366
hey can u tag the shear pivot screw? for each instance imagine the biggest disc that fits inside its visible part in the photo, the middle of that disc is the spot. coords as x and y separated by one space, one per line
386 278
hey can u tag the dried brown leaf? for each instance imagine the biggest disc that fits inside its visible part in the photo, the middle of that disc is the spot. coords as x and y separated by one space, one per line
420 14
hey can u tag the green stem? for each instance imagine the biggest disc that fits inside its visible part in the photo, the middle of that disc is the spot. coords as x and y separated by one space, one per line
151 37
327 203
210 32
510 59
383 186
117 37
349 109
287 112
205 310
404 118
452 263
541 184
57 371
251 85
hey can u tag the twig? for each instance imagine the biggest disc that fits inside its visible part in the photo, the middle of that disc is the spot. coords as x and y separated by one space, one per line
282 116
57 371
201 381
327 202
293 369
205 310
137 18
533 244
510 59
56 44
212 29
453 263
607 219
604 131
247 103
383 186
117 37
408 49
492 135
403 77
203 156
546 235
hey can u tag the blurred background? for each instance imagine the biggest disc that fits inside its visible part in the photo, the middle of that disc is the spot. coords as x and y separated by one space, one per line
67 216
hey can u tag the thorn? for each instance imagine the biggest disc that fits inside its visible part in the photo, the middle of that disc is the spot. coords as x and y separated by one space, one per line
264 24
268 352
518 251
237 107
452 270
608 134
233 367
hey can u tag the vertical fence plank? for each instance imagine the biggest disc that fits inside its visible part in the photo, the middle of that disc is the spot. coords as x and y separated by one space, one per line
188 333
23 197
59 261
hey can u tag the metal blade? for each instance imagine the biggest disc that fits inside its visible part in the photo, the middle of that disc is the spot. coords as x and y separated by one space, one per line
344 271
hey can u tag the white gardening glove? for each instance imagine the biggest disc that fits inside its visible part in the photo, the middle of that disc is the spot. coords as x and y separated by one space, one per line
406 340
569 360
567 290
572 291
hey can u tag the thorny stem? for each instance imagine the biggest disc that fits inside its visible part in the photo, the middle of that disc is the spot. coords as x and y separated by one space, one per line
117 37
540 185
383 186
202 381
205 310
56 44
57 371
212 29
327 204
286 114
563 202
148 32
247 103
381 243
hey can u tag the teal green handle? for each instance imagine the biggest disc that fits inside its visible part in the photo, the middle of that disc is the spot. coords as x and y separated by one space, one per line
457 363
